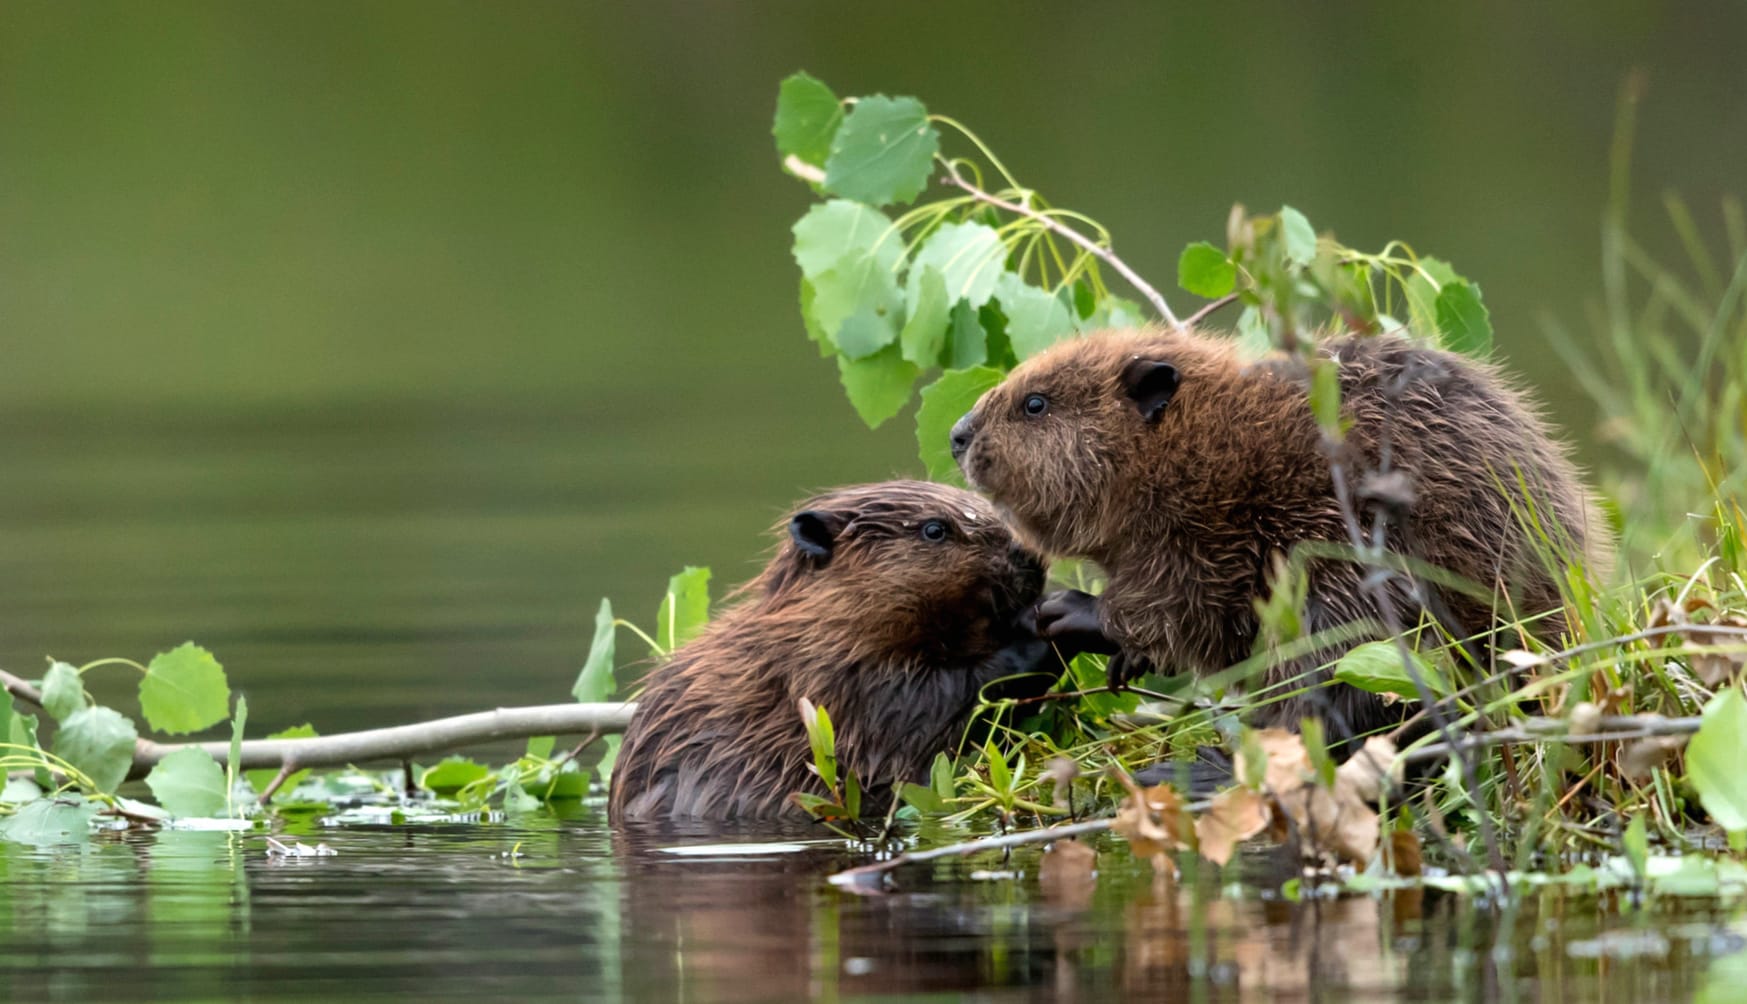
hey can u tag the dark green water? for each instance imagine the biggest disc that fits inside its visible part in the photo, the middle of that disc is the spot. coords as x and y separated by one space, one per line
370 345
583 914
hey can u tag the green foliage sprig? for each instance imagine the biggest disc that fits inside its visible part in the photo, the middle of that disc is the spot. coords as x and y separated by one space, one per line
979 278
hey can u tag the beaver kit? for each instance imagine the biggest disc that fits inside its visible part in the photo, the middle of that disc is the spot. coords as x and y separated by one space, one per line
890 605
1183 470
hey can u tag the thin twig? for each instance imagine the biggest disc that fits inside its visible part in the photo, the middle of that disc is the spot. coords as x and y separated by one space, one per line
857 879
1201 315
1071 235
21 689
1541 730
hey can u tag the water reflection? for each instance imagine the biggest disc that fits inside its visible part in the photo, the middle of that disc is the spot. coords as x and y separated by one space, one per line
547 908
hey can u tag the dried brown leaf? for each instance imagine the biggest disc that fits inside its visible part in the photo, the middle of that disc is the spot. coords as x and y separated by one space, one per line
1334 823
1404 855
1235 816
1068 874
1151 820
1364 771
1641 758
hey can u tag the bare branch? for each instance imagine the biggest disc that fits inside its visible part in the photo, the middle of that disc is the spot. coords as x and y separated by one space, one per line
402 741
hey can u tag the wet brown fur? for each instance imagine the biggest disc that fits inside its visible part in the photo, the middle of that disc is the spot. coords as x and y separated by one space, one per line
1185 514
893 634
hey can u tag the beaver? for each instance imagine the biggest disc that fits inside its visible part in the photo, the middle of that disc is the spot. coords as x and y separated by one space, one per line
1184 471
891 605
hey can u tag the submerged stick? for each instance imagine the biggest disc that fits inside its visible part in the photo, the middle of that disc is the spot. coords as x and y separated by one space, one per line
859 878
402 741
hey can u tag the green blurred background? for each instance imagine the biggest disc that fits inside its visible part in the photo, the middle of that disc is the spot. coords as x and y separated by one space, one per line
371 344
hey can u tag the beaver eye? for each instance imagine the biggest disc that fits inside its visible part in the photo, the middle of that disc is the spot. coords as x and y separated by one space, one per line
1036 405
934 530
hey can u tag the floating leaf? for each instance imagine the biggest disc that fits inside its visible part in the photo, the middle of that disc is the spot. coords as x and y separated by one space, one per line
99 742
807 117
944 402
966 345
50 821
924 333
1464 325
189 782
1714 758
63 691
882 152
184 690
1035 319
878 386
1300 237
1204 270
1376 667
684 609
923 799
595 682
453 773
260 779
969 256
839 227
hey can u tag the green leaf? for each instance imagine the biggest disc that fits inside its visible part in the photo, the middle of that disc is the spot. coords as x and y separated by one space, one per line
1421 291
1204 270
1088 672
944 402
835 229
566 785
940 777
923 799
184 690
969 256
685 608
865 332
50 821
239 719
858 285
63 691
1300 237
189 782
878 386
1325 396
1635 842
966 345
1000 775
452 774
603 767
882 152
595 682
1255 760
807 117
1376 667
822 740
99 742
815 330
1464 325
19 790
1316 750
1714 758
540 747
260 779
925 332
1253 338
1035 319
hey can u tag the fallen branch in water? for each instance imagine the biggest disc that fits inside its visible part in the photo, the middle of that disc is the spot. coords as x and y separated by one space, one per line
396 742
858 879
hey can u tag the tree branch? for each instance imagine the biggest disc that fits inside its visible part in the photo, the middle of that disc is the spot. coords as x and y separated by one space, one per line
1073 236
401 741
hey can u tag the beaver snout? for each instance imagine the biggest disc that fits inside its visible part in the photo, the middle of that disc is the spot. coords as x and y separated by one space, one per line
963 431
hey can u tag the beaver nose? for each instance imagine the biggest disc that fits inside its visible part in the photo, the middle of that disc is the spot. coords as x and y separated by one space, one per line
962 434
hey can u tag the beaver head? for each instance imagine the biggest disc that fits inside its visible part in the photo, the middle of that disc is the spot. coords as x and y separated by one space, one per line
900 570
1085 433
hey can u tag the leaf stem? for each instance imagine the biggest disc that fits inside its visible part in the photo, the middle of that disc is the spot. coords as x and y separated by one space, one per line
1104 254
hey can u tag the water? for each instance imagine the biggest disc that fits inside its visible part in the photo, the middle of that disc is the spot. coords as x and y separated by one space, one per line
548 908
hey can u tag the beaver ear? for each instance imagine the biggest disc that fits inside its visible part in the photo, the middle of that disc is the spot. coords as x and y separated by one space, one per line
1150 384
815 533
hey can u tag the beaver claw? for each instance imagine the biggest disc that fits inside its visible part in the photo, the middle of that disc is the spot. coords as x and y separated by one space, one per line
1069 618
